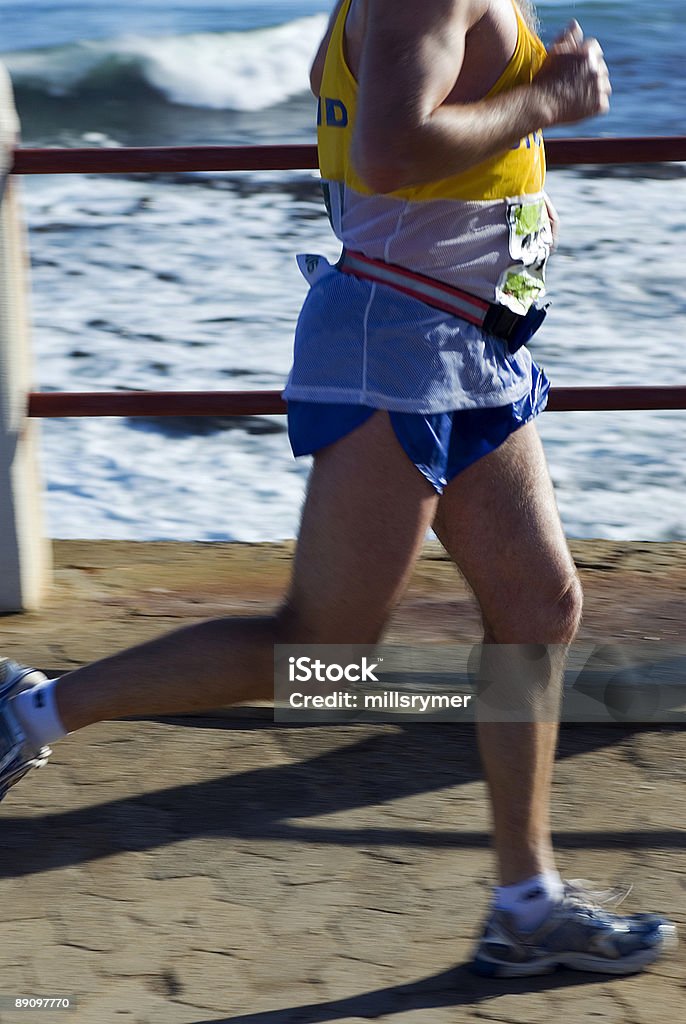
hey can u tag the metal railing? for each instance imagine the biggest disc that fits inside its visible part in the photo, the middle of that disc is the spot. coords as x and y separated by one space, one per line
52 405
560 153
177 159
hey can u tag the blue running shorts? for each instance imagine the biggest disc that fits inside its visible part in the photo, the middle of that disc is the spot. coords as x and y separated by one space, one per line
441 445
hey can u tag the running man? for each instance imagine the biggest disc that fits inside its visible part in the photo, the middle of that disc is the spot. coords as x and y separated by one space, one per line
413 389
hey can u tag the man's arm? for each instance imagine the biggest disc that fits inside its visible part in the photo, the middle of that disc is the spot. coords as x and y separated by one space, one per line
406 133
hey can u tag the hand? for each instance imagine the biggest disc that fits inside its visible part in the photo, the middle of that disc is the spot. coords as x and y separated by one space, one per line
554 218
574 79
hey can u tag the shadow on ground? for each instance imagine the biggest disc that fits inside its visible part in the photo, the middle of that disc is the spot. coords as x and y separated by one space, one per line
453 988
387 764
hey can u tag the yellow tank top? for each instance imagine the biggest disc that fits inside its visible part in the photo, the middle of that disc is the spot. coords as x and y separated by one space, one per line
517 172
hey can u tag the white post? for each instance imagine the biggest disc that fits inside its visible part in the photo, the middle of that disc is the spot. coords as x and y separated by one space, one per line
25 556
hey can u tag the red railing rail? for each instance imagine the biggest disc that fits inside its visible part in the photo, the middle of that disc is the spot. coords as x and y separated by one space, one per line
177 159
52 405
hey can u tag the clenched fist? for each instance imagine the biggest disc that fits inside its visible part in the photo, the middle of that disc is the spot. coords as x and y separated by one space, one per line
574 81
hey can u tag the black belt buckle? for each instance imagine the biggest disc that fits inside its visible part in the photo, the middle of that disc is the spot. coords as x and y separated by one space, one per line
514 328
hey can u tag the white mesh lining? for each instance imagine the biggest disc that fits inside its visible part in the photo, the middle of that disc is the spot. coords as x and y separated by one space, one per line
465 244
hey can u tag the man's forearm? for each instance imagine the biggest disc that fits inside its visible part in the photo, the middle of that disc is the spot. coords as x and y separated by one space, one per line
452 139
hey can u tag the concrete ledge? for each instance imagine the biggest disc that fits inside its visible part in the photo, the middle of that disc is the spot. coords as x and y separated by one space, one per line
108 595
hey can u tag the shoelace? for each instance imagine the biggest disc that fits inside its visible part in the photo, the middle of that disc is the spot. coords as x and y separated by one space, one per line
580 892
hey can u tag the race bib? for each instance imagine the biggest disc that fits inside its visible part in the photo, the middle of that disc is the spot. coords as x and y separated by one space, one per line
530 239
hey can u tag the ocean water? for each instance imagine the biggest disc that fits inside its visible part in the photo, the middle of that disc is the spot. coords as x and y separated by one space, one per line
189 281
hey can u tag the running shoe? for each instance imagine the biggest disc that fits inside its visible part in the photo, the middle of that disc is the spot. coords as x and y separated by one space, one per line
579 933
17 755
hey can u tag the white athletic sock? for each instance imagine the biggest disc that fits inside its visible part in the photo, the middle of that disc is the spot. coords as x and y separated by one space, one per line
38 716
530 901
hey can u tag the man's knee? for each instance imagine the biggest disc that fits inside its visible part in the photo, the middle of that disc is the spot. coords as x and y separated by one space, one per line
564 616
546 615
570 610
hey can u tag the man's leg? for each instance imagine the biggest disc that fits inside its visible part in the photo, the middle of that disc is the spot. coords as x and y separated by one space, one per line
365 517
499 522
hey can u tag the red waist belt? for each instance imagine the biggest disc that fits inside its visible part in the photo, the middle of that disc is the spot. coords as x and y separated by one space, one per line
492 318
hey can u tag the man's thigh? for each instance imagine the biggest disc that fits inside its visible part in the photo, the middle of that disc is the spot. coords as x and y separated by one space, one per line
366 514
499 522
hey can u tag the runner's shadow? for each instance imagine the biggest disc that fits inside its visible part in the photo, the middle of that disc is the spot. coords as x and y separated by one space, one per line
454 988
385 766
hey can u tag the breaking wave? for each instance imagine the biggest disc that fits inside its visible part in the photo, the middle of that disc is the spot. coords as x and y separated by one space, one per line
242 71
